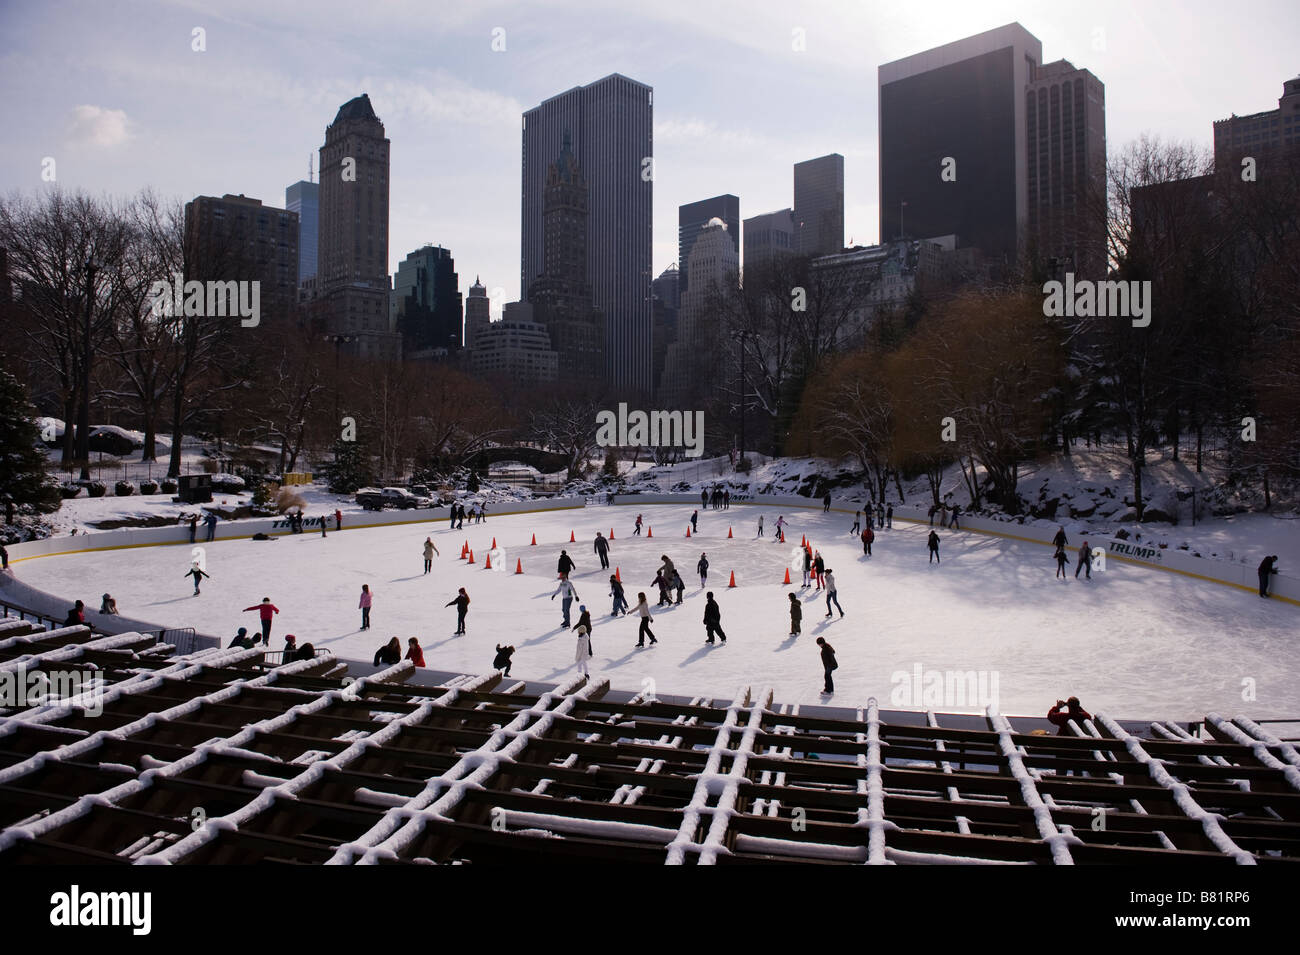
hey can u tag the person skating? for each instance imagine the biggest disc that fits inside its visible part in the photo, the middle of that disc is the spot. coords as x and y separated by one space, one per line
712 619
1059 540
620 599
933 508
601 547
414 652
430 548
389 654
584 620
829 664
661 582
868 538
1064 711
831 594
582 650
726 499
643 609
807 565
796 614
1062 559
678 585
933 543
324 520
502 660
956 515
197 573
637 531
460 522
265 610
1267 567
780 530
564 566
702 567
889 517
819 570
364 605
695 521
826 503
857 523
567 594
760 527
668 567
461 601
338 519
880 516
1085 561
107 604
704 499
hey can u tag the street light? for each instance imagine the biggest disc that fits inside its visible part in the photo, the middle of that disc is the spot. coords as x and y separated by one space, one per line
83 412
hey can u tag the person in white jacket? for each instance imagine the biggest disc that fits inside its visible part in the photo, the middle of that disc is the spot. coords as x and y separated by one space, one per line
582 653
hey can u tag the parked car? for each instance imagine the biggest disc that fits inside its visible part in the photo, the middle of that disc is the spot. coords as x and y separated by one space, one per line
373 499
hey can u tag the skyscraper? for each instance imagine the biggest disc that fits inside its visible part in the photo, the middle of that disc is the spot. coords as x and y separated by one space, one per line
1247 135
695 362
352 254
963 101
426 304
767 236
610 123
691 220
560 296
237 238
304 198
819 205
478 312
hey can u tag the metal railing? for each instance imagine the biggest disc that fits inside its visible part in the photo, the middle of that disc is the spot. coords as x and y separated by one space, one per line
275 658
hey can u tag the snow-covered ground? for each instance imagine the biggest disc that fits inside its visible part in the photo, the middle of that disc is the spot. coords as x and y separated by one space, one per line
1134 642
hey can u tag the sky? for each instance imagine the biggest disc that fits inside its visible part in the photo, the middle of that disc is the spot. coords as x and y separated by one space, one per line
116 94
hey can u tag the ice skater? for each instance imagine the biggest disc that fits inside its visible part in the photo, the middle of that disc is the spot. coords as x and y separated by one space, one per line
880 515
826 503
502 660
197 573
702 566
796 614
819 570
760 527
1084 562
430 548
857 523
1267 567
601 547
461 600
584 619
868 537
643 609
1059 540
637 531
712 619
568 594
956 514
661 582
1062 559
678 585
265 610
807 565
564 566
338 519
582 652
364 605
933 543
695 521
831 594
829 665
620 599
780 530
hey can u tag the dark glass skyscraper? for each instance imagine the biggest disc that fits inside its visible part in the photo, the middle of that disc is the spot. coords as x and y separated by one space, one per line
611 127
819 205
426 302
694 216
304 198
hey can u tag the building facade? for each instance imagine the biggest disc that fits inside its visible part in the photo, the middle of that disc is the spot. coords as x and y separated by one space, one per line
694 216
819 205
478 312
767 236
665 298
304 198
238 238
611 127
696 362
352 253
426 307
516 347
1239 136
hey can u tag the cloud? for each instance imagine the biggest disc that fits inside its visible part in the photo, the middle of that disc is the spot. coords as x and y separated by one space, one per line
96 126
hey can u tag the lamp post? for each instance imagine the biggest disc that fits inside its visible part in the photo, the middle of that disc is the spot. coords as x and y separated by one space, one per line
83 411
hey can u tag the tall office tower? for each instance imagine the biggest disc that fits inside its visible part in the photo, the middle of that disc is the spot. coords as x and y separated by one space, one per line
426 304
694 216
516 348
665 297
352 254
964 101
819 205
235 238
611 123
695 364
1240 136
478 312
561 297
304 198
1065 116
767 236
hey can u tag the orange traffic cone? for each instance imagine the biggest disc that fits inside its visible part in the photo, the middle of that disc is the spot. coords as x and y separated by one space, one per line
803 541
572 539
728 533
519 566
464 550
688 530
534 543
617 576
611 533
471 557
733 579
787 576
494 543
487 561
649 532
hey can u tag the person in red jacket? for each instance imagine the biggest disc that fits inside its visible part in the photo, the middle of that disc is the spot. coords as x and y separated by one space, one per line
1072 711
265 609
414 653
338 519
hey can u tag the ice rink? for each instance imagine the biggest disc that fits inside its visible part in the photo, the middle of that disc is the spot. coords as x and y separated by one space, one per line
1135 642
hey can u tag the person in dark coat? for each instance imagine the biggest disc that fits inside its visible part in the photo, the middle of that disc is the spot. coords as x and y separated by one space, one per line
829 664
956 513
889 517
461 600
601 548
304 652
1062 559
796 615
1085 561
1059 540
702 566
704 499
620 598
662 584
194 526
726 499
679 585
1267 567
389 653
712 619
240 640
695 521
290 647
211 522
933 543
584 620
826 503
502 660
1066 710
565 564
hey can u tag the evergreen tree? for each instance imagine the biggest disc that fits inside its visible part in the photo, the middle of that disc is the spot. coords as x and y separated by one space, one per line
24 482
350 468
